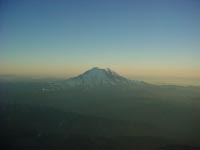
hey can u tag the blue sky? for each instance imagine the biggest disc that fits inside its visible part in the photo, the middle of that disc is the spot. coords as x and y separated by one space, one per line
133 37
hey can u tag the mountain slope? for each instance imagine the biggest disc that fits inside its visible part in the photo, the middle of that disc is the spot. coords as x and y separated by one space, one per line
98 77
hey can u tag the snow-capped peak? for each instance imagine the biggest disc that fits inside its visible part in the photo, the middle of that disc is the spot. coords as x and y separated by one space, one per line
98 77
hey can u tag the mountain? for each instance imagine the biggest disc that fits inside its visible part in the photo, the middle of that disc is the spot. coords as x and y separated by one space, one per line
100 80
98 77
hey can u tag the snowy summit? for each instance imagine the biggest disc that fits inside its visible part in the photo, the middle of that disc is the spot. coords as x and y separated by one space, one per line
98 77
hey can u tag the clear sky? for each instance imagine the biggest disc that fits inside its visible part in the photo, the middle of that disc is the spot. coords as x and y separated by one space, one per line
137 38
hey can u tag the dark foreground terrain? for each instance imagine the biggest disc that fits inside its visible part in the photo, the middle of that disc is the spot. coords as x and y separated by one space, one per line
52 115
28 127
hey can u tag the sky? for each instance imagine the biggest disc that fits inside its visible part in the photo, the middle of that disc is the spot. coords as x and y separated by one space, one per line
139 39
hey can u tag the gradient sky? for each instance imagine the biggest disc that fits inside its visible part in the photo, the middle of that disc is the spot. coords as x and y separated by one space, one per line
137 38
